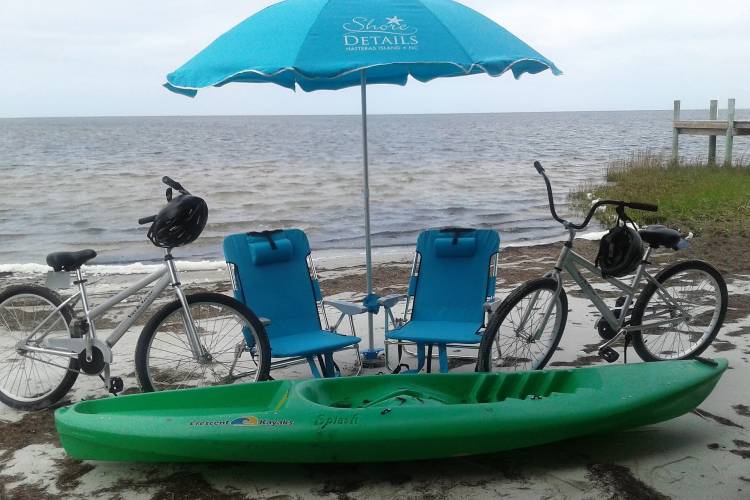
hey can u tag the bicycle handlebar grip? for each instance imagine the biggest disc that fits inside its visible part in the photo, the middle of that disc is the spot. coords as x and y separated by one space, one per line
172 183
647 207
147 220
538 166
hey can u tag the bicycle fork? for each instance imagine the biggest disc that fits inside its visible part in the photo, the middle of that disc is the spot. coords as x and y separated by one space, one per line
199 352
556 275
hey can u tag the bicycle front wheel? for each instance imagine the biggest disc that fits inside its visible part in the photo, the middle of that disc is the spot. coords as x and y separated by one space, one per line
517 336
233 345
681 317
32 380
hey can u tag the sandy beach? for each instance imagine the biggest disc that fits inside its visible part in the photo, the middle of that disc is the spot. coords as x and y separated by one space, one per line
699 455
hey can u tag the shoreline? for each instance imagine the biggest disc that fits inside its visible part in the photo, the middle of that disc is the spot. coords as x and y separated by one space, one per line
382 254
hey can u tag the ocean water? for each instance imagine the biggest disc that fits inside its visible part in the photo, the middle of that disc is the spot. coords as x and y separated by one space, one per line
72 183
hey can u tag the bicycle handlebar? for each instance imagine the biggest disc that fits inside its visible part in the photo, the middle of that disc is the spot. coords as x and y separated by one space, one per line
648 207
147 220
173 184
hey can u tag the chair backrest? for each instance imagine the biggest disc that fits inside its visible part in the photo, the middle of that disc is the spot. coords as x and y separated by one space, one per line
455 274
273 279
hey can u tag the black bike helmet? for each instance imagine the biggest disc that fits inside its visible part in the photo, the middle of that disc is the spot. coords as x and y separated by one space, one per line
180 222
620 251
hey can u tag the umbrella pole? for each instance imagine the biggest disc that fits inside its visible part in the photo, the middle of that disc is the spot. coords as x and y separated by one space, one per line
371 354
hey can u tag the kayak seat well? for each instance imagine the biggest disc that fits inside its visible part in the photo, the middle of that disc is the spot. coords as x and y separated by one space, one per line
433 389
534 385
204 401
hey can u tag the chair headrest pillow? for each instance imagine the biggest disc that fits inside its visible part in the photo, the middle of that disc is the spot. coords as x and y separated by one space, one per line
262 253
465 246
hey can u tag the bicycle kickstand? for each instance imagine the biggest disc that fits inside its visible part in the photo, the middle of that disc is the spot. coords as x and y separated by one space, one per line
625 348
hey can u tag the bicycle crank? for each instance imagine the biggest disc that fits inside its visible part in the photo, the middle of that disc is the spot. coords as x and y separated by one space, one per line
605 331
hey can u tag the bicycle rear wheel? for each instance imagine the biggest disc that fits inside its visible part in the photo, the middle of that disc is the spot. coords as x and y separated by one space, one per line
28 380
515 338
233 341
693 288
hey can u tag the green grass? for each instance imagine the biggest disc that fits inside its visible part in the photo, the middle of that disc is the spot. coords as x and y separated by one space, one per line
693 196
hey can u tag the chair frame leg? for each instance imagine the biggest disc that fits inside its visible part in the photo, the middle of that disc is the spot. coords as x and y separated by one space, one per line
313 367
420 357
443 355
330 366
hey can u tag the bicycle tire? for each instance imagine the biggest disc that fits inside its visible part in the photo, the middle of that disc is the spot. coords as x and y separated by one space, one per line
51 397
151 328
640 345
486 347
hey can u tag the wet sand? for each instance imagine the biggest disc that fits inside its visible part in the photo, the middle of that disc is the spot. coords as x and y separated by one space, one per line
699 455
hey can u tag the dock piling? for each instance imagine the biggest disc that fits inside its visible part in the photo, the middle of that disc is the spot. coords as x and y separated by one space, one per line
730 134
676 134
713 114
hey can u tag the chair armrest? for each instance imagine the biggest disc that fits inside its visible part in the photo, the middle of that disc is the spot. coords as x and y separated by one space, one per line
265 321
491 306
391 300
345 307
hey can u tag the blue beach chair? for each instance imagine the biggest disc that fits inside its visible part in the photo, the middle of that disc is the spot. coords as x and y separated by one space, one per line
274 275
451 290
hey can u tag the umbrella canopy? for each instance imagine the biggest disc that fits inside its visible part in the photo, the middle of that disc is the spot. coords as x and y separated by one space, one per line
323 44
334 44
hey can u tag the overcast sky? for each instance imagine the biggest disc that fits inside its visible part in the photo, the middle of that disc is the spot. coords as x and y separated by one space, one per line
95 58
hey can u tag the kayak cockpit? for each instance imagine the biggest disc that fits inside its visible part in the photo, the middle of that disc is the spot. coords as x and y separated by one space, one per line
436 390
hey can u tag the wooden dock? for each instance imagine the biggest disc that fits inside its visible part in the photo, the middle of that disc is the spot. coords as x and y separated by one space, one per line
713 127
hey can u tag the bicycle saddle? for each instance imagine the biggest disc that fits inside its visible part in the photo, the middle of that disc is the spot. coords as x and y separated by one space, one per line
660 236
69 261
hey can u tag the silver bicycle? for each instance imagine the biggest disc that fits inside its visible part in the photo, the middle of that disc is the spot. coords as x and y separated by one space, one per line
677 314
197 339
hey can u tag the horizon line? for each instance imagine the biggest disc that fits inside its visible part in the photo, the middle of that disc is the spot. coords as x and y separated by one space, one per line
336 114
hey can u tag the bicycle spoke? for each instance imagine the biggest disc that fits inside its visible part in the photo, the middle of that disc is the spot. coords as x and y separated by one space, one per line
693 293
515 345
220 331
27 378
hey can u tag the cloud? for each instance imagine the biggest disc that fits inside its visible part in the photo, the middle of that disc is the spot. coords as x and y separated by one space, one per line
88 57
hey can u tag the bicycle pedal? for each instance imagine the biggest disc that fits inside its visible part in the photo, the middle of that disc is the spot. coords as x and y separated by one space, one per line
605 331
609 355
116 385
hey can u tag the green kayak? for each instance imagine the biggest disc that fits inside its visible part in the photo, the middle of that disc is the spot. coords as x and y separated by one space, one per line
383 418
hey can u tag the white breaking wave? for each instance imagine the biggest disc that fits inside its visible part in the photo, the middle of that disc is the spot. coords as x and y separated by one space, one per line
327 258
102 269
592 236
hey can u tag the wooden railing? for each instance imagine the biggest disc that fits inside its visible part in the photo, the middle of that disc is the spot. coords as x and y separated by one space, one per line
712 127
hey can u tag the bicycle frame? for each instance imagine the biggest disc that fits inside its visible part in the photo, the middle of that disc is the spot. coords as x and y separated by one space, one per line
164 277
570 262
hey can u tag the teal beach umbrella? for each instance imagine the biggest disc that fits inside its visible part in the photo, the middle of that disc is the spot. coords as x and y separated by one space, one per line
334 44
